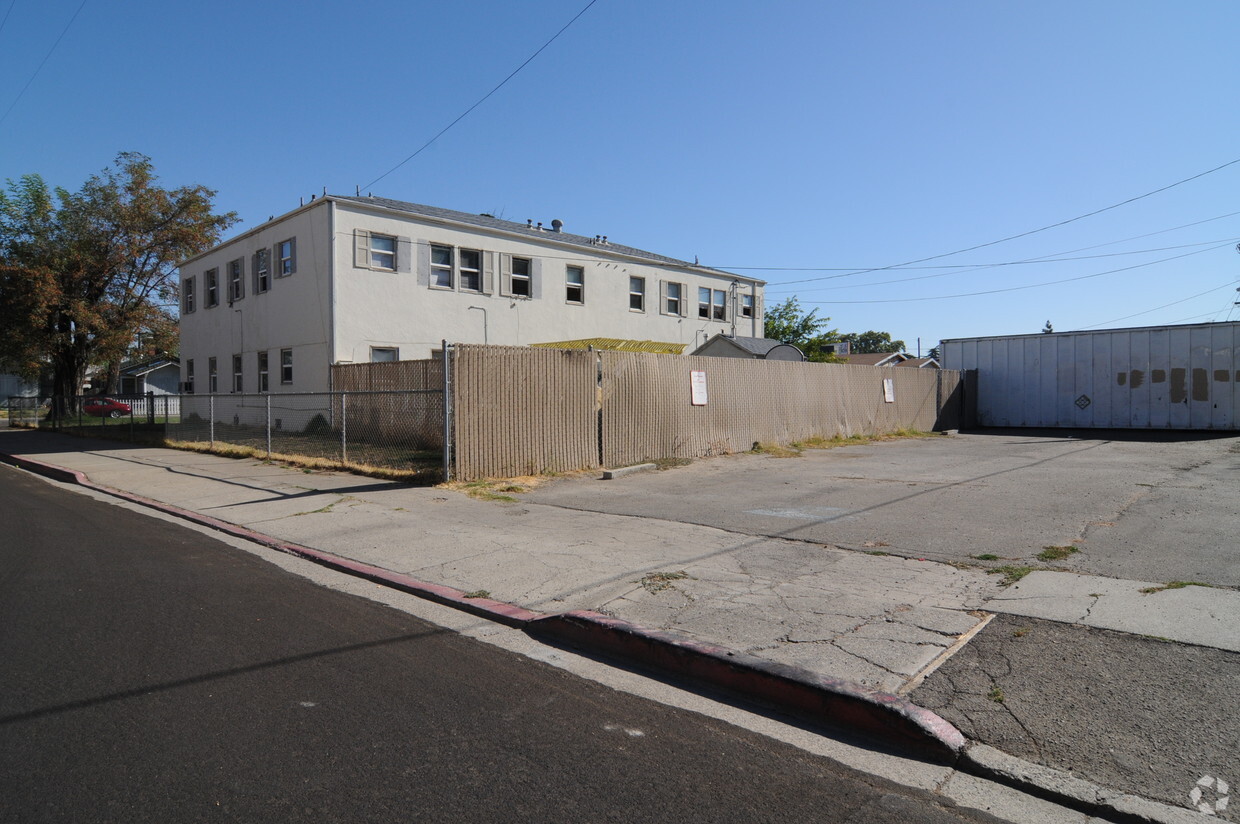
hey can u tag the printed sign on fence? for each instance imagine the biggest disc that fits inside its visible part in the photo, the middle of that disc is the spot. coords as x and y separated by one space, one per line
889 390
697 387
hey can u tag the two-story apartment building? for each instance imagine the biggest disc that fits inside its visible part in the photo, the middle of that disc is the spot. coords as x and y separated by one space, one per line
346 279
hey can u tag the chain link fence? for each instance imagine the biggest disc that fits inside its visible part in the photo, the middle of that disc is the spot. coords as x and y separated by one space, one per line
401 432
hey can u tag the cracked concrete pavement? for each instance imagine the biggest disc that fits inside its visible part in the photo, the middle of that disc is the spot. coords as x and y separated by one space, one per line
857 563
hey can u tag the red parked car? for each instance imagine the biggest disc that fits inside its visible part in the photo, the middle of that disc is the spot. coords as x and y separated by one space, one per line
105 407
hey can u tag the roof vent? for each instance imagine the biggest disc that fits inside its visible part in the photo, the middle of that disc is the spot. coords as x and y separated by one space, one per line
557 225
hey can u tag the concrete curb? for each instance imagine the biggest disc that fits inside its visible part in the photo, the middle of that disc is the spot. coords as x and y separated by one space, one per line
888 718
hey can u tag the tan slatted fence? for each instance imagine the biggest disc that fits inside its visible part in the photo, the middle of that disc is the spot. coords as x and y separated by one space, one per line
520 411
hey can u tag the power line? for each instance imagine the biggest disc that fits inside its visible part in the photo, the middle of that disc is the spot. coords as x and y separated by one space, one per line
483 99
855 270
1164 306
45 57
1020 288
12 3
1040 229
975 267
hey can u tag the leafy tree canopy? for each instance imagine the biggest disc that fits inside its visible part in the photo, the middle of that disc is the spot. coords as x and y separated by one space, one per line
85 275
868 343
787 323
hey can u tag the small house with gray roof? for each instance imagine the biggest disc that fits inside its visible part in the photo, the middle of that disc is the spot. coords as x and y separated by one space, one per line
724 346
352 279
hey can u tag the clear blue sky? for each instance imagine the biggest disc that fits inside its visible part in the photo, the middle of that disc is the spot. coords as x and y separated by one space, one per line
793 141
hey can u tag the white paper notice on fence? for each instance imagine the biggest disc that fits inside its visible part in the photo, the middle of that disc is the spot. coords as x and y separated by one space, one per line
697 387
889 390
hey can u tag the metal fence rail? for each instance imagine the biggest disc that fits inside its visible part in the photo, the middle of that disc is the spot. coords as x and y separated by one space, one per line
395 430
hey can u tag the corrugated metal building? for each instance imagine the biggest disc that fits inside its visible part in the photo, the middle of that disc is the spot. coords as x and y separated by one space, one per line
1154 377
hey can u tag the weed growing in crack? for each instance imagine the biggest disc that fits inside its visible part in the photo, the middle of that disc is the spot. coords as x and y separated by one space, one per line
1011 574
986 556
1172 585
478 593
1056 553
996 694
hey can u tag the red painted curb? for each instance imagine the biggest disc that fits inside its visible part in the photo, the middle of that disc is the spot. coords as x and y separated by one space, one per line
837 702
834 701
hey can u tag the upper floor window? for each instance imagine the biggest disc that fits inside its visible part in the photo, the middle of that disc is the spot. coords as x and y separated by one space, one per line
262 271
575 284
673 298
286 257
372 250
471 270
520 278
637 294
211 284
382 251
441 267
712 304
236 280
187 296
747 306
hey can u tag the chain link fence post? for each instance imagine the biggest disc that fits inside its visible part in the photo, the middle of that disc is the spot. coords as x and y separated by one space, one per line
268 426
447 412
344 427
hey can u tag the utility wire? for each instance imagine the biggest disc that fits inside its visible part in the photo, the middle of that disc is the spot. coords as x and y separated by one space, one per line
975 267
12 3
1020 288
483 99
1043 228
1164 306
854 270
45 57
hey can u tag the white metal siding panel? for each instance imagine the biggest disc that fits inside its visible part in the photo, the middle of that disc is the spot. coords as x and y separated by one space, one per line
1220 377
1121 396
1160 377
1103 396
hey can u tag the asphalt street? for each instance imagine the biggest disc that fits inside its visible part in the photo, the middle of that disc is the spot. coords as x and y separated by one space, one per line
154 674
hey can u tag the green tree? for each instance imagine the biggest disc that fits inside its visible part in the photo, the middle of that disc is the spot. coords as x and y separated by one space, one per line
787 323
866 343
84 274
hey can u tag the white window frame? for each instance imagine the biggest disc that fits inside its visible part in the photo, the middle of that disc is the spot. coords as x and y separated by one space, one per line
211 286
637 293
236 280
672 298
286 366
286 264
187 296
263 371
521 285
378 255
719 307
748 304
440 271
213 378
579 285
189 376
394 350
262 271
464 271
238 376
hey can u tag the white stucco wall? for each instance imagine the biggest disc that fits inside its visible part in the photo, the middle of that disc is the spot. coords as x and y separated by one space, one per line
332 310
294 314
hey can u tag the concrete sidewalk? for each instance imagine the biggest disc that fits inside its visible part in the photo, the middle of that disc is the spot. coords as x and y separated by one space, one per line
879 620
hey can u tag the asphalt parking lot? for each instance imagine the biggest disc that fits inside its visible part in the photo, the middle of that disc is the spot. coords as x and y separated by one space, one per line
1145 506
